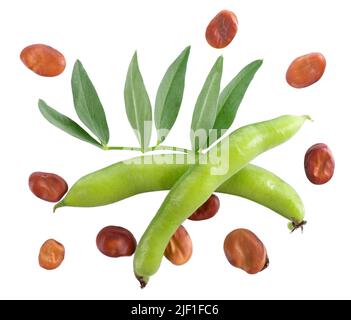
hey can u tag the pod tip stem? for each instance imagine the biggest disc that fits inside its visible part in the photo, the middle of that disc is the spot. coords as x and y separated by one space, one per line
308 117
143 281
58 205
298 225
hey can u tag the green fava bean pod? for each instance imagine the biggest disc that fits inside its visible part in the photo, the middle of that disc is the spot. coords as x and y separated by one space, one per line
160 172
198 183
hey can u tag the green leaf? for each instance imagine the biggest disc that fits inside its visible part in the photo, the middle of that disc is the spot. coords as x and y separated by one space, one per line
170 95
137 103
64 123
87 103
205 111
232 95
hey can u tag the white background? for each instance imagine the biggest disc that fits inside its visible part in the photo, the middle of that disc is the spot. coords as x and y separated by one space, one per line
104 35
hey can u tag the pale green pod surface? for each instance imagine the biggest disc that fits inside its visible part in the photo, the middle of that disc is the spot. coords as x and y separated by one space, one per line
198 183
264 187
123 180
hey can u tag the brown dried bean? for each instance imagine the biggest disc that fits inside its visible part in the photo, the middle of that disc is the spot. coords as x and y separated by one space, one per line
222 29
51 254
207 210
245 250
115 242
47 186
43 60
179 248
306 70
319 164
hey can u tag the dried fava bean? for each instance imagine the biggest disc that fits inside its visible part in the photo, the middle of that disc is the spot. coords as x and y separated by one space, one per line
43 60
47 186
319 164
179 248
207 210
222 29
51 254
115 242
306 70
245 250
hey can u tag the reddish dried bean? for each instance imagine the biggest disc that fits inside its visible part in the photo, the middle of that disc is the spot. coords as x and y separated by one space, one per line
179 248
115 242
47 186
43 60
306 70
222 29
51 254
319 164
245 250
207 210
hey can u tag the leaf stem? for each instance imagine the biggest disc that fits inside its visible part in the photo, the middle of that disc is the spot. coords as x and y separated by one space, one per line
158 147
122 148
154 148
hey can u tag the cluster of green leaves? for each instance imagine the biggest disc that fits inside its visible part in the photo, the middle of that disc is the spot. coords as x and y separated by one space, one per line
214 109
88 108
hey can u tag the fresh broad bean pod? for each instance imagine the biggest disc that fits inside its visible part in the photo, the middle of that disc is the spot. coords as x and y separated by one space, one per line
111 184
198 182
